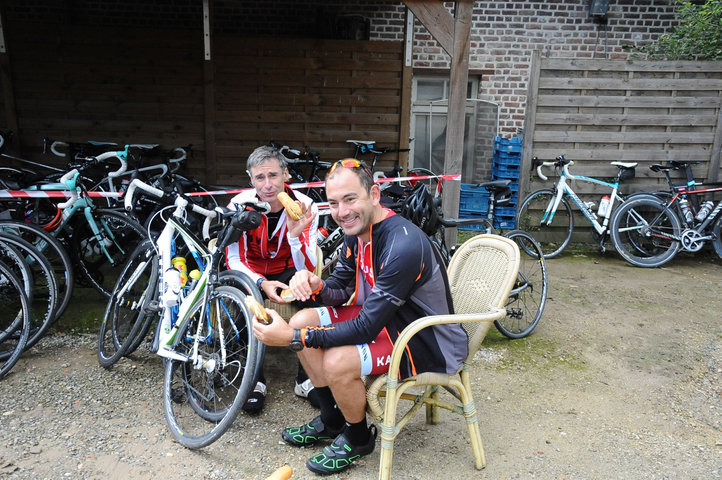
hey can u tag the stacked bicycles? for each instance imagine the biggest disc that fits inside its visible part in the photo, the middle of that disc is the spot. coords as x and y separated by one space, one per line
203 329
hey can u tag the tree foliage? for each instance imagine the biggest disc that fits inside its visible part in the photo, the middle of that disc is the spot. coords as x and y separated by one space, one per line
697 37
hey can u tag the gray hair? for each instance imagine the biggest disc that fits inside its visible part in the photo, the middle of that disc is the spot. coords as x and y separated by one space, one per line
262 154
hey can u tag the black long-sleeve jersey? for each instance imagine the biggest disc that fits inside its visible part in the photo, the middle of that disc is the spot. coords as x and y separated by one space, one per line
409 283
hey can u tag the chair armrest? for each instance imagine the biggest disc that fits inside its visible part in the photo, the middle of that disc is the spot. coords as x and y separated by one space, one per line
414 327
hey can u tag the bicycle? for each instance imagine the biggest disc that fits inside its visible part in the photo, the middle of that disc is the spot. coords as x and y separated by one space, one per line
649 230
204 332
539 215
40 285
98 239
528 297
14 318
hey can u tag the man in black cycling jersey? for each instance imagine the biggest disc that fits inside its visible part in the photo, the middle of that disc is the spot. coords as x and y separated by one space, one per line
387 277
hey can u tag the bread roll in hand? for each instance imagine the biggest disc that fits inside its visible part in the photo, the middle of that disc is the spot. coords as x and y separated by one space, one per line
293 208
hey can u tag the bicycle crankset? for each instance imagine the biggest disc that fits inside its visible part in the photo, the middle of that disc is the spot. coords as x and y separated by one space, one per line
693 241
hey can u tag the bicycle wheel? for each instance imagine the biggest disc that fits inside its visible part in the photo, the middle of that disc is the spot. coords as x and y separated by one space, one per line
43 299
552 236
201 400
14 319
529 295
101 258
127 307
645 232
54 251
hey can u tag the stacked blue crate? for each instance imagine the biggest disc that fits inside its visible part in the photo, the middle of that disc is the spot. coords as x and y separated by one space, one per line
474 202
507 166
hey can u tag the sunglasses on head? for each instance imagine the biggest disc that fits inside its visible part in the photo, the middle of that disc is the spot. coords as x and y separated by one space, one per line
350 163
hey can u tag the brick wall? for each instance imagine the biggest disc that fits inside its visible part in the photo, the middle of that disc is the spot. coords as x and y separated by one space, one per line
504 33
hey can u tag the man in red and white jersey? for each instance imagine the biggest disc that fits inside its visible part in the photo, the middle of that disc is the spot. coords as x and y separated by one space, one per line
272 253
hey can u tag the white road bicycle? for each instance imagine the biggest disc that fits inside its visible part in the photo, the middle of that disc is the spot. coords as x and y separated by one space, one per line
204 330
540 215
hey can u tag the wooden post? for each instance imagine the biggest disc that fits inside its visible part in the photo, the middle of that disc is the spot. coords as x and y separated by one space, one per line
454 148
714 159
406 81
209 103
529 121
6 80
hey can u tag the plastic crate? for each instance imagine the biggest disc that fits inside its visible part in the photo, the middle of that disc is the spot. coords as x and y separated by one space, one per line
505 171
512 144
476 227
473 199
507 159
505 223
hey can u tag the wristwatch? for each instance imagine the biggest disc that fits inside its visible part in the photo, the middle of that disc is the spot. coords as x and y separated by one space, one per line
296 344
259 282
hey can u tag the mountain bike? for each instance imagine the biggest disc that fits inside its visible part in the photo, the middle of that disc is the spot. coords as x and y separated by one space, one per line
539 213
649 230
205 329
528 297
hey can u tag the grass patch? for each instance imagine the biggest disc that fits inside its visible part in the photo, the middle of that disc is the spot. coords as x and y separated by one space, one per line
533 351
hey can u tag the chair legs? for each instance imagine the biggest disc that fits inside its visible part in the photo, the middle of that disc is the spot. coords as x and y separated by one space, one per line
390 427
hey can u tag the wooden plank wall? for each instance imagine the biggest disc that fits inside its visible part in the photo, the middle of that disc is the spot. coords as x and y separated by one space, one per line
304 93
106 84
598 111
143 86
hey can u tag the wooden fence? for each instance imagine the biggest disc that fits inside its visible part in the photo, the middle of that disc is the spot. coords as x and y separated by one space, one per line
599 111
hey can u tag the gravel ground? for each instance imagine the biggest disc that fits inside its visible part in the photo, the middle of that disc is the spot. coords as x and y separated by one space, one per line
620 380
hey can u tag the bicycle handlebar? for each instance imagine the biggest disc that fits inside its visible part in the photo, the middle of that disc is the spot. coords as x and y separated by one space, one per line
68 179
559 161
119 155
156 192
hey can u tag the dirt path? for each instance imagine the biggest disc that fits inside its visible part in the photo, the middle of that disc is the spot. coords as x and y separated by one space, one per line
622 379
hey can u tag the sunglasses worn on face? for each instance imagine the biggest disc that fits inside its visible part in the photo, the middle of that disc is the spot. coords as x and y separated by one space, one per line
350 163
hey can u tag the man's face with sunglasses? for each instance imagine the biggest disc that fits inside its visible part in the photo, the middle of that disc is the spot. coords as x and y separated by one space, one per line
352 207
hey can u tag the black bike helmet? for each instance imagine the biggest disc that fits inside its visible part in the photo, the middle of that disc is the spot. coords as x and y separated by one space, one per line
420 208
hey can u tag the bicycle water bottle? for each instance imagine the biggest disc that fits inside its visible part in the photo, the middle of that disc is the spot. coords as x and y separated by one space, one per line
686 211
603 206
171 287
704 210
180 264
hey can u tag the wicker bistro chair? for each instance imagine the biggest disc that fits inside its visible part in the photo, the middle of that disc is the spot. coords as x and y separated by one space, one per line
482 273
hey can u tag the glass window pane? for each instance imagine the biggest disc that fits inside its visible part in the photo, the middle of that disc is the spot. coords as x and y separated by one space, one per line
429 89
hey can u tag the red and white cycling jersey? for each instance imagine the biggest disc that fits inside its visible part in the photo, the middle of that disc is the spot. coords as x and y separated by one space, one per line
259 252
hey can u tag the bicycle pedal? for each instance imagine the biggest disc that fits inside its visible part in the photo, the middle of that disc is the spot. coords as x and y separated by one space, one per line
152 307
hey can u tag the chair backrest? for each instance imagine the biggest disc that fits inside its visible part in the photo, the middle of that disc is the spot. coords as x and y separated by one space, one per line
482 273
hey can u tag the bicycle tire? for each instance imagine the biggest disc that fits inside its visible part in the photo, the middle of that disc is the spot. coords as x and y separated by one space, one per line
641 231
528 296
14 319
552 237
127 308
243 282
201 403
54 251
717 232
44 299
94 265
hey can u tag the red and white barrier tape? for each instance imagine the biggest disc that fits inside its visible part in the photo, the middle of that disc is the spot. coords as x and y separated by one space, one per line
96 194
